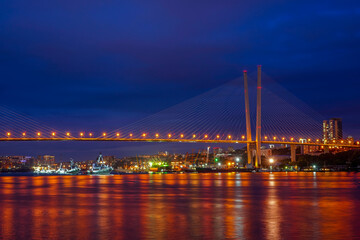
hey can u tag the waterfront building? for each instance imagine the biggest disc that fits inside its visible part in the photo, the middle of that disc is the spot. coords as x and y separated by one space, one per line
332 129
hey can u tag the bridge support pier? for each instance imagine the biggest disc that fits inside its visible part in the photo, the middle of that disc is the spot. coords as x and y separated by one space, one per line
293 153
249 154
326 149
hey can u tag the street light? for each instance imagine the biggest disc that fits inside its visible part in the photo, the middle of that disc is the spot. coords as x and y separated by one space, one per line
271 161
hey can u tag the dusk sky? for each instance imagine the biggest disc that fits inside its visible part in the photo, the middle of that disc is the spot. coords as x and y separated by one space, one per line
101 64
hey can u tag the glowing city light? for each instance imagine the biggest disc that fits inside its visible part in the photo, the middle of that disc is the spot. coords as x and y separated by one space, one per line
24 133
206 136
144 134
8 134
181 135
53 134
217 136
283 138
38 133
274 138
194 136
90 134
169 135
271 160
67 134
130 134
266 137
292 139
243 137
229 136
104 134
118 134
81 134
156 135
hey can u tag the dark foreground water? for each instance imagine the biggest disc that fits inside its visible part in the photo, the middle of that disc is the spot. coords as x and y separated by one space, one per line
182 206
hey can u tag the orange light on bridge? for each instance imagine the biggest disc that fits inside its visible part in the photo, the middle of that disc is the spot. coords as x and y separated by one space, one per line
81 134
206 136
144 134
283 138
90 134
358 142
157 135
181 135
229 136
8 134
291 139
68 134
349 142
274 138
118 134
342 141
334 141
169 135
130 134
318 140
38 133
243 137
309 140
217 136
194 136
104 134
24 134
53 134
266 137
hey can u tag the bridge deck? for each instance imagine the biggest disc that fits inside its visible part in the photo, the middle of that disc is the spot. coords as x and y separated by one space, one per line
106 139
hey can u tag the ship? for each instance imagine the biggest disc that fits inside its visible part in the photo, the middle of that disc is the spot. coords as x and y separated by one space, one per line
99 167
74 169
44 170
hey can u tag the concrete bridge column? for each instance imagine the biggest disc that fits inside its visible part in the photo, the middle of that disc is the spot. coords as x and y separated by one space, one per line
326 149
293 153
249 154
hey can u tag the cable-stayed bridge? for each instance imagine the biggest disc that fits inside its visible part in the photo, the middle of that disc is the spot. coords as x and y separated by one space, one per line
221 115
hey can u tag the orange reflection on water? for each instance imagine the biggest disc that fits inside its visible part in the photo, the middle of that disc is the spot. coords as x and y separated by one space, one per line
181 206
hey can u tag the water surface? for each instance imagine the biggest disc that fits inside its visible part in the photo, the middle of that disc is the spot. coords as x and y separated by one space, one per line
181 206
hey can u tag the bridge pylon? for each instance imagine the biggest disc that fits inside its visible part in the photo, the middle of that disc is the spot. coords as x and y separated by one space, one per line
248 123
258 119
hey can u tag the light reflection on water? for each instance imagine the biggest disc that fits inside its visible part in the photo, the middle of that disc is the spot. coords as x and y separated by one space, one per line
181 206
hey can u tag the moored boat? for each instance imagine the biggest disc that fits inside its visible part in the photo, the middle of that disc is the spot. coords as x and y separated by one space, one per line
99 167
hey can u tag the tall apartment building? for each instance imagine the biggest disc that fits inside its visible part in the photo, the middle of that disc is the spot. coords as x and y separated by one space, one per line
332 129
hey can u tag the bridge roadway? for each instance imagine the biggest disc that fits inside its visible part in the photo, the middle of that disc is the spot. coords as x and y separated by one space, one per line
108 139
